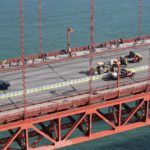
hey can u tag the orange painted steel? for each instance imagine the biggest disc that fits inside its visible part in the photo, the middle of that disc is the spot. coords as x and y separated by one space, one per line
53 106
140 18
92 49
23 67
60 133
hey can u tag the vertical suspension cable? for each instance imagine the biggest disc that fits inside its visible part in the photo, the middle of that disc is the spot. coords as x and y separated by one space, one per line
148 75
140 19
40 25
23 55
92 45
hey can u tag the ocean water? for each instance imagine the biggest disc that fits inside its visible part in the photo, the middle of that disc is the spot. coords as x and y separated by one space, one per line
114 19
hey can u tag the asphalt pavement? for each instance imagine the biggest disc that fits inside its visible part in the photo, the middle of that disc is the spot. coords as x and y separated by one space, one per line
65 71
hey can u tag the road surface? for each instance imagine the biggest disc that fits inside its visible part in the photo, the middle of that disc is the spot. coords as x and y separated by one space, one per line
65 71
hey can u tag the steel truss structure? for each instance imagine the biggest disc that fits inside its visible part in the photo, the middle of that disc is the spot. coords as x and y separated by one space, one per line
120 112
76 125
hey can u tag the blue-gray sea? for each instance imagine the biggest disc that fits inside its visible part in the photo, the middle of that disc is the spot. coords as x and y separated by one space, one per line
114 19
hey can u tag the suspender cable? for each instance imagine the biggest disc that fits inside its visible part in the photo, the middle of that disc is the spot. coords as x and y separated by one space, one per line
92 46
23 55
40 25
140 19
148 75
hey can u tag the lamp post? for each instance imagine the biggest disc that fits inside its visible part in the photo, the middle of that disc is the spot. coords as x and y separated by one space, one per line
69 30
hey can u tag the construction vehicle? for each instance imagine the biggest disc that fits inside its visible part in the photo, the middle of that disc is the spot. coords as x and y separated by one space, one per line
133 57
110 66
122 61
100 68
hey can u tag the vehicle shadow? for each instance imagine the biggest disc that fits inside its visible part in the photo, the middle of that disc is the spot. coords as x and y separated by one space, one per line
106 77
85 73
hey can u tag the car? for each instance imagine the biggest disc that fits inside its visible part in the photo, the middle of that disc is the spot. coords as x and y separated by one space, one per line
123 74
4 85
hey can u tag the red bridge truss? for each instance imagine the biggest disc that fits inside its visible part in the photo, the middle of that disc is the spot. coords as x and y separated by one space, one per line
71 126
70 122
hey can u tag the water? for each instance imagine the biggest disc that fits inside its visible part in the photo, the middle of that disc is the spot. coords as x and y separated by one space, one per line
137 139
113 19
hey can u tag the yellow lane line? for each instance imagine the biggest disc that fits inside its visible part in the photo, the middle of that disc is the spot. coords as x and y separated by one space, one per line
62 84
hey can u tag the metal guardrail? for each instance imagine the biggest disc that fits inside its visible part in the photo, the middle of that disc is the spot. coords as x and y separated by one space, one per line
62 84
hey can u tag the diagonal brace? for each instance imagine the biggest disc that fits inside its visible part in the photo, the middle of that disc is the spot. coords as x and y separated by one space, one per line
73 127
39 138
43 134
133 112
80 126
105 119
9 142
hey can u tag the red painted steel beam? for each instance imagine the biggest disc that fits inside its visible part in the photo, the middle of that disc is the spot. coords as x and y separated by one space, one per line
148 74
140 18
90 124
105 119
102 134
35 143
23 67
133 112
147 110
119 114
93 136
9 142
114 112
59 129
92 47
44 128
87 111
69 104
43 134
74 127
101 105
26 139
76 110
79 127
18 139
129 110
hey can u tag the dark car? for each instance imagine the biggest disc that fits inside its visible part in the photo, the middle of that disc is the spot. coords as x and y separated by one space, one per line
4 85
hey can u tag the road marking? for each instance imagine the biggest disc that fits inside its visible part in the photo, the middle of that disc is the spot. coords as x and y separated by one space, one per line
62 84
140 68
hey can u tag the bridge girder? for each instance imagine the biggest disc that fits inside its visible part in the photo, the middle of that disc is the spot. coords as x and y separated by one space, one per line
58 128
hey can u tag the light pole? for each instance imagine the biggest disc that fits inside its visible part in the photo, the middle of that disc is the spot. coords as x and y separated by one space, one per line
69 30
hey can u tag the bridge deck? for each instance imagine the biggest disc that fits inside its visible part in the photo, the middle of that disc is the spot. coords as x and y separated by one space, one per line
65 71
